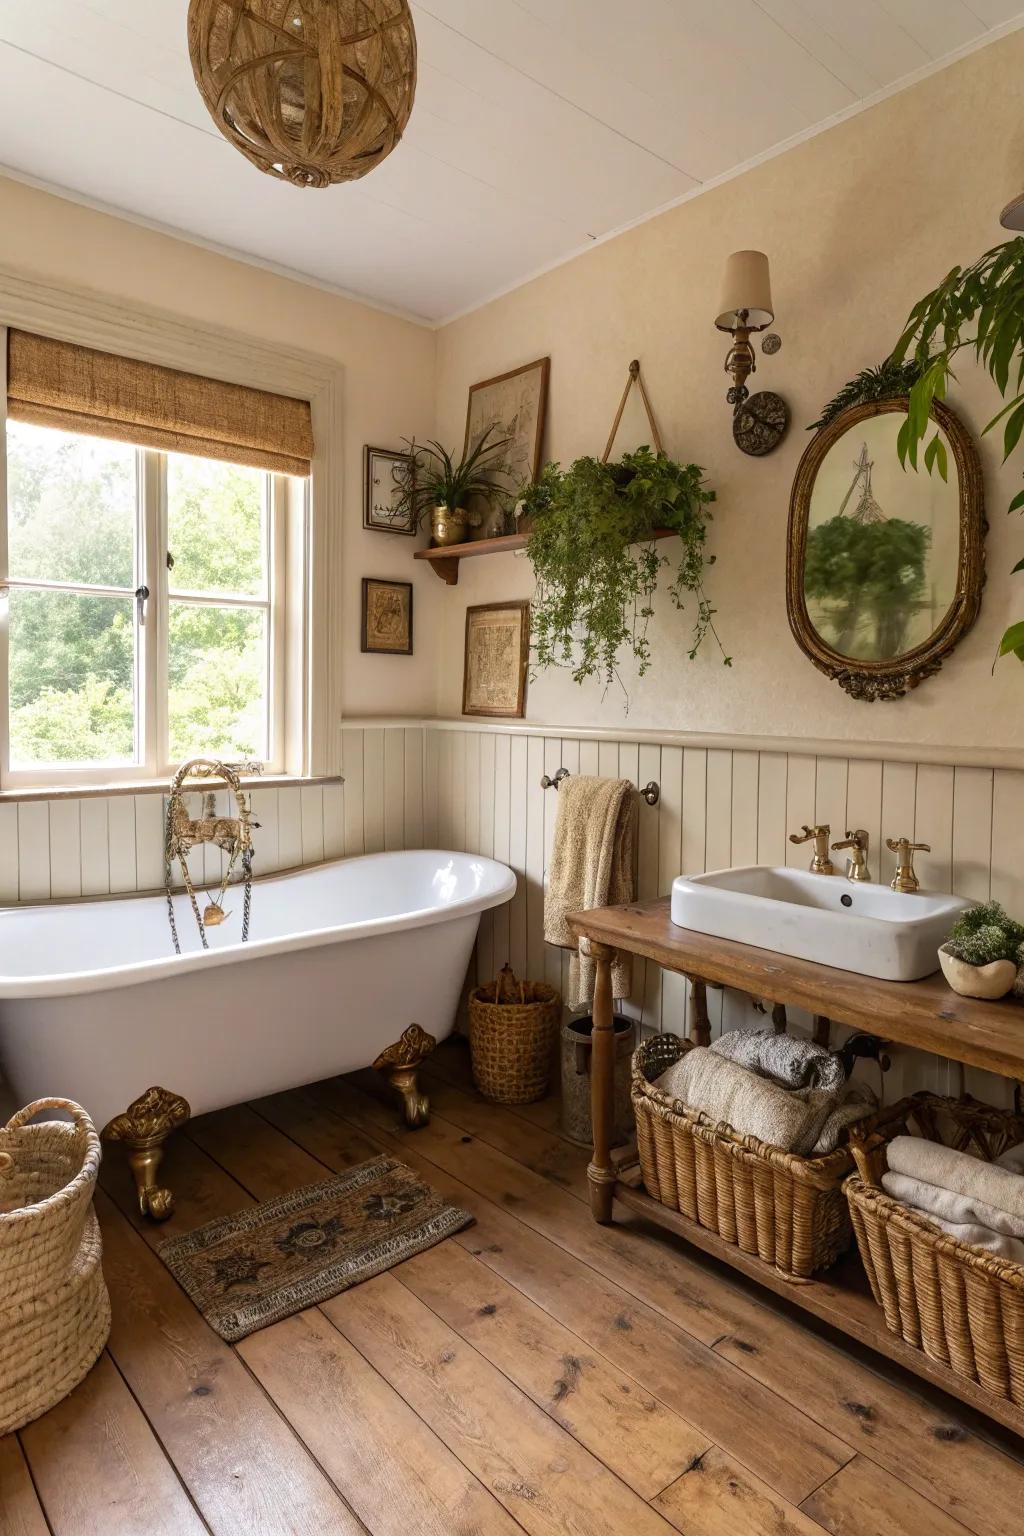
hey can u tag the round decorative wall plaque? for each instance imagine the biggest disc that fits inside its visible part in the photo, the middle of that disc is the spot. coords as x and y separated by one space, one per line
759 424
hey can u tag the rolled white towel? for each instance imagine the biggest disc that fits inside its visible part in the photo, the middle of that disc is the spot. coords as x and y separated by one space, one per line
944 1205
958 1172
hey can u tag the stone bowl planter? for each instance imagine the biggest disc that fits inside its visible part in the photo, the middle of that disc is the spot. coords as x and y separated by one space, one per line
984 981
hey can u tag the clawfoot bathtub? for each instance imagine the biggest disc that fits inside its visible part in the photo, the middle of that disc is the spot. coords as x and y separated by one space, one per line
349 963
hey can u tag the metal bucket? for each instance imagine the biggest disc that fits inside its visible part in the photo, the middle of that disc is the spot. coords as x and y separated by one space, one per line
576 1056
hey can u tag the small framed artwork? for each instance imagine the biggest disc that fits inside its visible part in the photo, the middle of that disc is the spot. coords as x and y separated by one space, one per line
387 617
387 479
497 653
515 405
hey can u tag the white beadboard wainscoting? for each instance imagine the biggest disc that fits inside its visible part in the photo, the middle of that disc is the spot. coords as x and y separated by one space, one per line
476 788
99 845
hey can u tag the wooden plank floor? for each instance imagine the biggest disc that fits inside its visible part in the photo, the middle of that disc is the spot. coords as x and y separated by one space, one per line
535 1374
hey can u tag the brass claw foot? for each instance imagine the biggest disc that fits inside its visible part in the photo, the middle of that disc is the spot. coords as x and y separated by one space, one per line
400 1063
144 1127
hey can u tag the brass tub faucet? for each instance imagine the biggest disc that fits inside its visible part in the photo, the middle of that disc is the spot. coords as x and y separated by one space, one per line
905 879
857 863
821 864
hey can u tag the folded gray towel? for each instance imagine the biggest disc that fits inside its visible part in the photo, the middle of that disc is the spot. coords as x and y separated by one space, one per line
944 1205
785 1059
808 1121
958 1172
939 1205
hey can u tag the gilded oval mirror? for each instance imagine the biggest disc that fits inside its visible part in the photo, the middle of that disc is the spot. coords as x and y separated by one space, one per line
885 566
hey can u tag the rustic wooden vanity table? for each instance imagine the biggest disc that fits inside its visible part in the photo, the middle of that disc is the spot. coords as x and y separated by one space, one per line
924 1014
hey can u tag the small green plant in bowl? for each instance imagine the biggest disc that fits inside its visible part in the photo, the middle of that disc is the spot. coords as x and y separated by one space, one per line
984 952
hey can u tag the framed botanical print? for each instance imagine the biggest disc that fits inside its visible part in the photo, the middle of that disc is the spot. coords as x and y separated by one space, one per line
514 405
387 617
497 653
387 479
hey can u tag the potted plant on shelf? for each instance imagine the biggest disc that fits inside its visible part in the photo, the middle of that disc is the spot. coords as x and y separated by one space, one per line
447 493
591 531
983 953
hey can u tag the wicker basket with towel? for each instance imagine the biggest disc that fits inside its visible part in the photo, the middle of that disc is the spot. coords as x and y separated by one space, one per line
764 1168
54 1308
939 1219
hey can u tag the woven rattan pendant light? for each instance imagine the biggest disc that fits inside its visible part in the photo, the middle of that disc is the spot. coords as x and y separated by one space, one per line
311 91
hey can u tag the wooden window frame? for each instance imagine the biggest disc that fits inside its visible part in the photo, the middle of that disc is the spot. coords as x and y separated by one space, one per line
307 673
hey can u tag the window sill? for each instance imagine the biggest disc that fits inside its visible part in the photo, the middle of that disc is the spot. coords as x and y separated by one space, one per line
157 786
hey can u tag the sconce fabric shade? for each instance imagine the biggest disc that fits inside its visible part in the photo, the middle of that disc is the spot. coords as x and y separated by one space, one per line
745 285
1012 216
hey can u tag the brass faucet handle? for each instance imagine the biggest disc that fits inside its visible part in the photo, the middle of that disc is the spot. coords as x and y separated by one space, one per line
902 845
858 839
905 878
810 832
821 864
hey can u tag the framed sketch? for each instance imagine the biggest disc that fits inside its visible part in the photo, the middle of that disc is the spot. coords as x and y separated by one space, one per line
386 476
387 617
497 652
515 405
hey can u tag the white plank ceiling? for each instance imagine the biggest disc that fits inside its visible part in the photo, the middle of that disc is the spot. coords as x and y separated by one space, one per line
539 125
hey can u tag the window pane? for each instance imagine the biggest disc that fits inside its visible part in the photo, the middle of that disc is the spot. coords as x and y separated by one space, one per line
217 681
71 507
216 526
72 678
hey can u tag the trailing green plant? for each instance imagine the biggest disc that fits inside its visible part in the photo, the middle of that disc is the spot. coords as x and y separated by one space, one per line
888 381
438 479
591 546
980 308
986 933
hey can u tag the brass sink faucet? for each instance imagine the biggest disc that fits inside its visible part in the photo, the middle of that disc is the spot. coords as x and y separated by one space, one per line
821 864
905 879
857 863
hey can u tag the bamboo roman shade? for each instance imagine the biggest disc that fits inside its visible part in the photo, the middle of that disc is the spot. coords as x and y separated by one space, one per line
57 384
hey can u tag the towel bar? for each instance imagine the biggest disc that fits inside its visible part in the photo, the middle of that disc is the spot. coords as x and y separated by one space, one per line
651 791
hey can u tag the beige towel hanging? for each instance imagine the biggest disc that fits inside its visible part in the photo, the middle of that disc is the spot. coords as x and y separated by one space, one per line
592 865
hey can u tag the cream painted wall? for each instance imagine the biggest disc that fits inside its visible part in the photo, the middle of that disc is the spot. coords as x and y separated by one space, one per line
388 368
858 222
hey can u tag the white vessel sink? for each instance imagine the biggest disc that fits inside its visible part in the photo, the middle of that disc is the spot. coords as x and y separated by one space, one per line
865 928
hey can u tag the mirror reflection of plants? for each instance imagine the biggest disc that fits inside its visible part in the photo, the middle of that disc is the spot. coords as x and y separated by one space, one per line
597 567
439 480
869 577
980 307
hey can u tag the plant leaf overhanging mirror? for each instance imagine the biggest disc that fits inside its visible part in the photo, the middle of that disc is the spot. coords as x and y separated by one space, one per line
884 569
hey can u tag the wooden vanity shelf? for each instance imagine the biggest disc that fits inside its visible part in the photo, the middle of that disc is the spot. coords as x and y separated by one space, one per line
445 560
924 1014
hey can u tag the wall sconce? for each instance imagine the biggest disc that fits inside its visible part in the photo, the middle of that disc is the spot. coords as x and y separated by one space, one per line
759 421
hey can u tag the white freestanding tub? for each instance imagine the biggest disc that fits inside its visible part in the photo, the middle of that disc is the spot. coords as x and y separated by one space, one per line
95 1006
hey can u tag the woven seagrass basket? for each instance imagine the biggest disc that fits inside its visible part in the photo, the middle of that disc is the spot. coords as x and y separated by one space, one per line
788 1210
959 1304
54 1308
512 1027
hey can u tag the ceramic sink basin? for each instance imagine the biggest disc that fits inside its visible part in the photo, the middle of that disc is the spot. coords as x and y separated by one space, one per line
865 928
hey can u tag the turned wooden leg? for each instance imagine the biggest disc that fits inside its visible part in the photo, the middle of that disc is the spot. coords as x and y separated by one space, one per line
143 1128
701 1019
601 1172
400 1063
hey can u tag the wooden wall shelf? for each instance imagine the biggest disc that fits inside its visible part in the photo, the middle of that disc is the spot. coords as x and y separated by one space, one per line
445 560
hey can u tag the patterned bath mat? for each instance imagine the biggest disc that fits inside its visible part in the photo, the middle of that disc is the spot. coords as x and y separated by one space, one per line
260 1265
